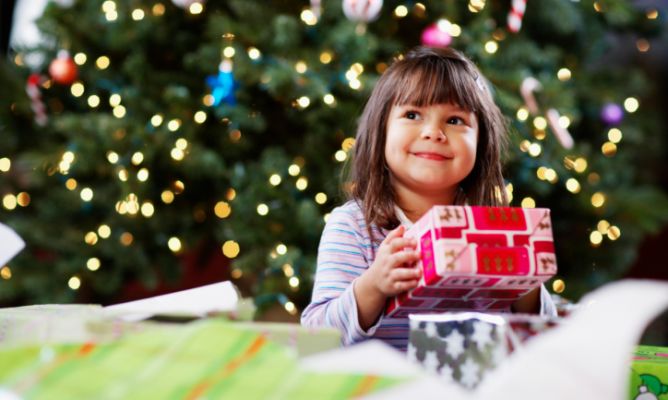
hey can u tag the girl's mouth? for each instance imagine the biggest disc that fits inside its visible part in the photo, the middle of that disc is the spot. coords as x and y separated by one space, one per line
431 156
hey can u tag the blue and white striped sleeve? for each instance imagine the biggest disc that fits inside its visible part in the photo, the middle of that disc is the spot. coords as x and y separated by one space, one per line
342 258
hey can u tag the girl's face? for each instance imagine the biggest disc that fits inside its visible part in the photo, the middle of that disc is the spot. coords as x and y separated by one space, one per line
430 149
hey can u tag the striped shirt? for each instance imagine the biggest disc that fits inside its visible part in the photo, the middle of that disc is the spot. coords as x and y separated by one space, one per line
345 253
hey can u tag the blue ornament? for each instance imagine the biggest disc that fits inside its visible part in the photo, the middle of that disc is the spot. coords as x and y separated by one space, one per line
223 85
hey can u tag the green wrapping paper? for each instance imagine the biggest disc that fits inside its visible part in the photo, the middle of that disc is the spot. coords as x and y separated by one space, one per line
304 341
207 358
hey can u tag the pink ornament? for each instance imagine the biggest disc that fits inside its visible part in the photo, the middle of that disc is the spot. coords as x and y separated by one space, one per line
435 36
362 10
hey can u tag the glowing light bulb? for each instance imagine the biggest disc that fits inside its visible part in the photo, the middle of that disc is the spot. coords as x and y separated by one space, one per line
86 194
253 53
275 179
302 183
564 74
615 135
281 249
74 283
93 263
558 286
528 202
401 11
321 198
598 199
174 244
231 249
222 209
572 185
595 238
522 114
631 104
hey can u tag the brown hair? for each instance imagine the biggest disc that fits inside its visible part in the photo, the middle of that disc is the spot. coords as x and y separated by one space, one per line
423 77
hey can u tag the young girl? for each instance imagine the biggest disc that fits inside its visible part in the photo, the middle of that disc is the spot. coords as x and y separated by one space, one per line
430 134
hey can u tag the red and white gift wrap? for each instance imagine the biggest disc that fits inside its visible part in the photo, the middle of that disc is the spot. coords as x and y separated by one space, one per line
477 258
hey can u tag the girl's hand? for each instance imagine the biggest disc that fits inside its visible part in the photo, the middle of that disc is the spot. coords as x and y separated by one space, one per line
394 270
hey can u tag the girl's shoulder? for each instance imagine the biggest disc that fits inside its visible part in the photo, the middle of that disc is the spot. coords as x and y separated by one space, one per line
350 211
351 206
348 220
351 215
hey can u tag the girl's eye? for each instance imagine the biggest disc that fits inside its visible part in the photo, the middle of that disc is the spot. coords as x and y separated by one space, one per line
412 115
456 121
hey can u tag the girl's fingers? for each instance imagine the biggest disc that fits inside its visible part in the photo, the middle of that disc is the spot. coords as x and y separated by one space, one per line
406 274
401 243
404 257
402 286
394 233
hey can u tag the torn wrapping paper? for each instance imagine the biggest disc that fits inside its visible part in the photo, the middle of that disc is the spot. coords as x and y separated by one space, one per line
477 258
10 244
216 298
58 324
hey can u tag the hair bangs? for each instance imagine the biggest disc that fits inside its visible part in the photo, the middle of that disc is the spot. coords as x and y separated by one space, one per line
437 82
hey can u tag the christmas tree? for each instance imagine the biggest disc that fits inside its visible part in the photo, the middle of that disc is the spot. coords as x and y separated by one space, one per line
141 132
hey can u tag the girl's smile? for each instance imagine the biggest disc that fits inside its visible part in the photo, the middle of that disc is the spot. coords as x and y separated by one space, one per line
435 156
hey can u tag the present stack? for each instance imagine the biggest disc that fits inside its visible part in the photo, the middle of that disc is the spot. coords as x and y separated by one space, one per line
477 258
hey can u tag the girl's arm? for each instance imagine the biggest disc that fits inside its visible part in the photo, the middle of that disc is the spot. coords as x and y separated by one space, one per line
348 293
342 257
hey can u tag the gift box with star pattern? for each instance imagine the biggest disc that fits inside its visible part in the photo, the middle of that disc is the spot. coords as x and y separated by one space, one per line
458 347
477 258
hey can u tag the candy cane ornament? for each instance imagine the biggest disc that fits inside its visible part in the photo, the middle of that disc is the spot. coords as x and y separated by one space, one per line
527 87
516 15
316 8
36 103
563 136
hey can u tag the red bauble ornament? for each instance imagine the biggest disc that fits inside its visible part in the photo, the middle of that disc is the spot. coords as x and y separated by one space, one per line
63 70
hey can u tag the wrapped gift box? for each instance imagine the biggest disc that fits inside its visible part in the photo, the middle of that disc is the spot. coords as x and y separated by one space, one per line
478 258
464 346
649 373
458 347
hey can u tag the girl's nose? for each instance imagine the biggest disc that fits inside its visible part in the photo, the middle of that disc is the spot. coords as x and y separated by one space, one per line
434 133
